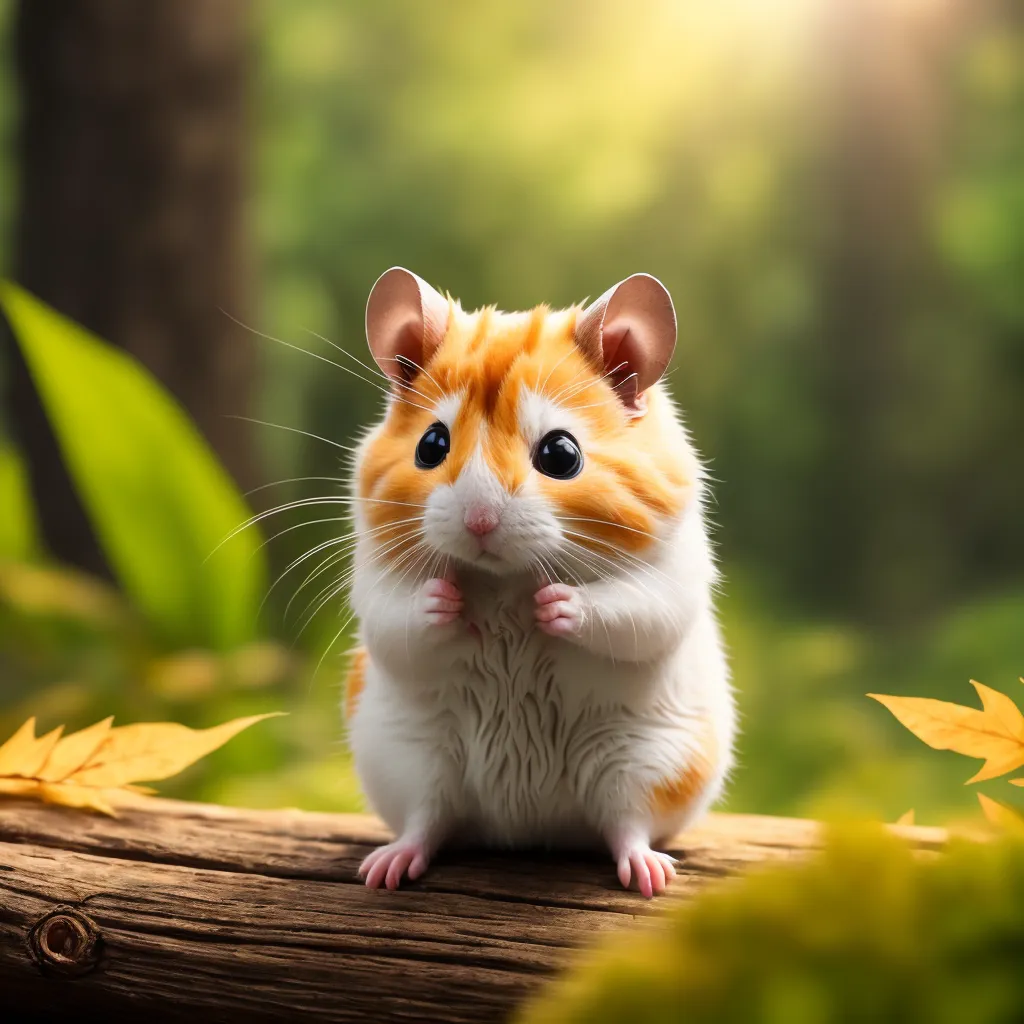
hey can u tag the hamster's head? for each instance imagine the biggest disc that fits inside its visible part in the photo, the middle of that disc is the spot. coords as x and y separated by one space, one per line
522 442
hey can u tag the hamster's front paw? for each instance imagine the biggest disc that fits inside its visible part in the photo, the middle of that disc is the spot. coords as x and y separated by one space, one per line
441 602
559 609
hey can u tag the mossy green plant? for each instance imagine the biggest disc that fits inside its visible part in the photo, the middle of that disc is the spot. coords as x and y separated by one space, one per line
864 931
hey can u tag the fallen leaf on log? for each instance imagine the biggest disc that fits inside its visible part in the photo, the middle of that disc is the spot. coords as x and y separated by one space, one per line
100 766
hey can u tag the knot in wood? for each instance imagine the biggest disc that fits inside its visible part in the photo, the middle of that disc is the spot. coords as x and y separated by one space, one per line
64 942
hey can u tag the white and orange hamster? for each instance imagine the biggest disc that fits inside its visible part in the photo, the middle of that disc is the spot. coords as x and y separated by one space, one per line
539 659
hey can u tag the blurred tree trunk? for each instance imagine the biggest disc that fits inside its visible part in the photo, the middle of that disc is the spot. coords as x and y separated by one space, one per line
132 157
883 103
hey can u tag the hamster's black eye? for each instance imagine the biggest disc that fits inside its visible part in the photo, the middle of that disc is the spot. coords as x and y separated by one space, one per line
558 455
433 447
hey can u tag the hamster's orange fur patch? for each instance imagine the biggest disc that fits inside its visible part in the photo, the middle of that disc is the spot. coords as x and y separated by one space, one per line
632 476
355 681
677 793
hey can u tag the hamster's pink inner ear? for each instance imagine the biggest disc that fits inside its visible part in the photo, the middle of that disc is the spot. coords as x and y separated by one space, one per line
406 320
630 332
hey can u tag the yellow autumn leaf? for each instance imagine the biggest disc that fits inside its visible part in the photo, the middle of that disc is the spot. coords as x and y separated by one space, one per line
81 797
906 818
994 733
1000 815
73 751
18 787
23 754
153 751
101 765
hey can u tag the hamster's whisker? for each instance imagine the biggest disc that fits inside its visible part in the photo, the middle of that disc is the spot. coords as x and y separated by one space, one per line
418 566
366 366
320 601
565 355
608 522
617 581
386 391
413 558
334 542
647 567
292 430
317 355
287 506
335 499
587 567
281 341
560 568
295 480
333 590
304 523
638 564
604 401
347 542
323 566
245 526
330 646
409 557
407 362
580 388
406 535
543 567
338 500
605 578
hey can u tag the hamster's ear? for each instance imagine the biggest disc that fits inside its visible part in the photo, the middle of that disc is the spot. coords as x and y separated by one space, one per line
406 320
630 332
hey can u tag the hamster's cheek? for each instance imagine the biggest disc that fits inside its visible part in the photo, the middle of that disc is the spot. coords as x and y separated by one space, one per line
443 528
390 481
598 510
529 528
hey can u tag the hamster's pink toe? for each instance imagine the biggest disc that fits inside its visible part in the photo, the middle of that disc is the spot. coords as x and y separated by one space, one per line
387 865
442 602
650 871
557 610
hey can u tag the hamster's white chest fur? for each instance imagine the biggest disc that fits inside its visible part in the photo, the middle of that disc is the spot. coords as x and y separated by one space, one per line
529 737
515 724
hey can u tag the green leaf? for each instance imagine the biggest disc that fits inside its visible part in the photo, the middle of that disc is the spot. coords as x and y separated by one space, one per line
17 516
156 495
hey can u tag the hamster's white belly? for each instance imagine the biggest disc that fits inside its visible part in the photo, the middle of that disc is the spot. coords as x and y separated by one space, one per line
529 738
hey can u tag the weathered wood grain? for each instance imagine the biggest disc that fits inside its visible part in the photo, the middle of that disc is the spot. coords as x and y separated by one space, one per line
216 914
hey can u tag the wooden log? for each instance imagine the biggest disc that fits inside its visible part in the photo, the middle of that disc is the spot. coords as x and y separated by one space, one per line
183 911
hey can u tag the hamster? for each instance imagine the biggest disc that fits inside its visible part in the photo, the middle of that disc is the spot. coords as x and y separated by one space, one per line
539 661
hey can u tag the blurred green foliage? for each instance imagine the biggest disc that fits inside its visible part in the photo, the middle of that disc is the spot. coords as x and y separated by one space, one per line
834 194
865 932
162 506
17 524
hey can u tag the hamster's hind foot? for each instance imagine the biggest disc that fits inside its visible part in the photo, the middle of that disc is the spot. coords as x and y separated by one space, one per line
640 866
387 865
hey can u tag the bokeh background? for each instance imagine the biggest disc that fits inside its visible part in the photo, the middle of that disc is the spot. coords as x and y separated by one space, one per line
833 193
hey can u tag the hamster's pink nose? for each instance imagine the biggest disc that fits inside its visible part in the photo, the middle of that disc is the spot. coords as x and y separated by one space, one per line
481 520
